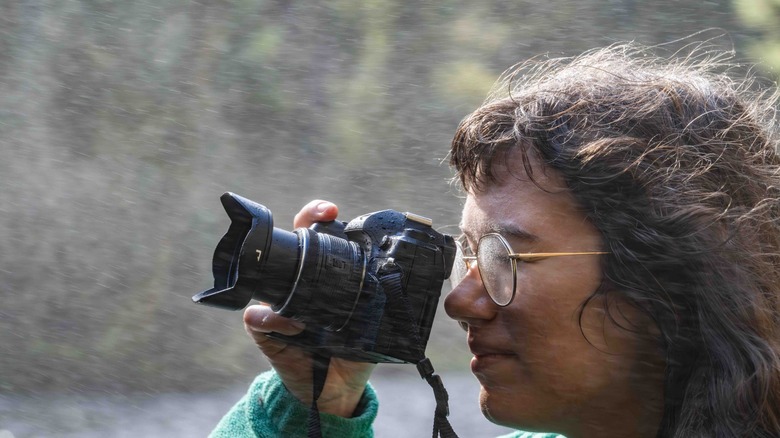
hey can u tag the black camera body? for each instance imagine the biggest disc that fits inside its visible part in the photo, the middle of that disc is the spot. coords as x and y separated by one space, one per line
332 277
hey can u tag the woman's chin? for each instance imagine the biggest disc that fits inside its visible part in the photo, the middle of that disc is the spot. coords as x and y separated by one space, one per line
492 408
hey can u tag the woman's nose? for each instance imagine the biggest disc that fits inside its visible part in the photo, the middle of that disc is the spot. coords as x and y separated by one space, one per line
469 302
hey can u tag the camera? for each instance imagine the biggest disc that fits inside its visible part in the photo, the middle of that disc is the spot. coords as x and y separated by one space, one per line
367 289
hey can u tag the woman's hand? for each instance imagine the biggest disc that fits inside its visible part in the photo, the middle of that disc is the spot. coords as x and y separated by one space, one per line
346 380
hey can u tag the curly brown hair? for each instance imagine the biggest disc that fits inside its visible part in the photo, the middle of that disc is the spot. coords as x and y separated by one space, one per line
677 165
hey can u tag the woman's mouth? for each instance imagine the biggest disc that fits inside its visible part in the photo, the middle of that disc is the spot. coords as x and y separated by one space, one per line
486 357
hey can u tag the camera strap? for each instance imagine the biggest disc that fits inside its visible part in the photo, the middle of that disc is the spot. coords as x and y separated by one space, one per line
319 365
390 276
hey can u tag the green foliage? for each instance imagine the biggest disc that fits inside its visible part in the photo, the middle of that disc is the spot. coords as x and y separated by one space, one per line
764 17
759 13
463 82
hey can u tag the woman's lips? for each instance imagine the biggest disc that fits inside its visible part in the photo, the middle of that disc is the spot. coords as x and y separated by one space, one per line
482 361
487 356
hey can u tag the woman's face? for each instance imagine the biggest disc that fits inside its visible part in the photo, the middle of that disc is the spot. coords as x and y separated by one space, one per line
539 365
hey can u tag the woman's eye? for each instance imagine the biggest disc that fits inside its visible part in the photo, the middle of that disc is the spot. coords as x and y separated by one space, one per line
464 245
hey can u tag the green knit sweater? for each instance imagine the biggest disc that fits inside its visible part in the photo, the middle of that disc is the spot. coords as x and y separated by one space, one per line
269 410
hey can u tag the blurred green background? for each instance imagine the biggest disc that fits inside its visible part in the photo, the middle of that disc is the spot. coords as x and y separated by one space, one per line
122 122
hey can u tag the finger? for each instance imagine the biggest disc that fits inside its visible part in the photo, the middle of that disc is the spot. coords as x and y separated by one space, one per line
315 211
260 319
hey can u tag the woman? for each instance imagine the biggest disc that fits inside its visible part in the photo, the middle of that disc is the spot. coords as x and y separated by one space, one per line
621 260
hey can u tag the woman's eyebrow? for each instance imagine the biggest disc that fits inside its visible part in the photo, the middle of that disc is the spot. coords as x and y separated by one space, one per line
513 232
508 230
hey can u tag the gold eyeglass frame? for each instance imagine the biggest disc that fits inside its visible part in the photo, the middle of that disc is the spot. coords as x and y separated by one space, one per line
514 257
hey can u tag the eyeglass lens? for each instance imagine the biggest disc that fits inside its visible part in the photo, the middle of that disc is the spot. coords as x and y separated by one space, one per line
460 268
495 268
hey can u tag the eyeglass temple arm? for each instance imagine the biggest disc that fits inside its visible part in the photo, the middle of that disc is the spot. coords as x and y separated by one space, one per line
544 255
541 255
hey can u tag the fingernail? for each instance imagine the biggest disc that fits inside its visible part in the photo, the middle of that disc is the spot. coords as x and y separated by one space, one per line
322 206
253 322
298 324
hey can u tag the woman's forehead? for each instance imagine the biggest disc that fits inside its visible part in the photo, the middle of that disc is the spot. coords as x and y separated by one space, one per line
491 212
520 208
477 221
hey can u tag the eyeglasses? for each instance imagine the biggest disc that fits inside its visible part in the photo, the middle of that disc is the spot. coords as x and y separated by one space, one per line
497 265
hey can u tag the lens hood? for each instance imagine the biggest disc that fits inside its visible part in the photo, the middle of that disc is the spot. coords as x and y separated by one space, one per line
249 221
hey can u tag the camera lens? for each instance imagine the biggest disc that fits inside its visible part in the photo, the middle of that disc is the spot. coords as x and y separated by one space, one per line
271 265
328 283
306 275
